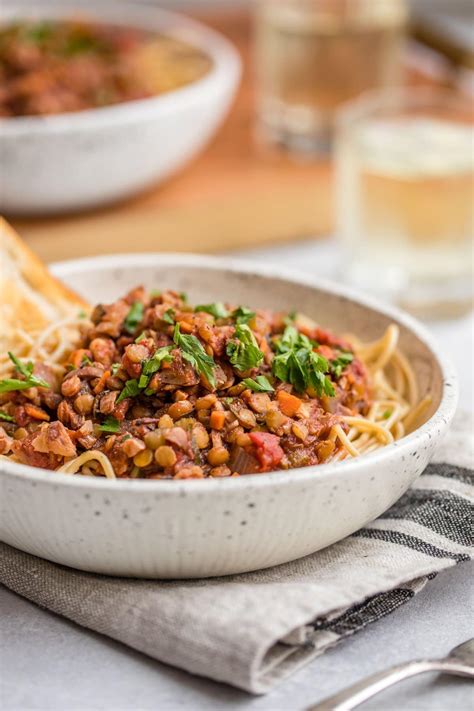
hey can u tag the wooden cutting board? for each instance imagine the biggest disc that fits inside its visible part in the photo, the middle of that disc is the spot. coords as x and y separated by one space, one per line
235 195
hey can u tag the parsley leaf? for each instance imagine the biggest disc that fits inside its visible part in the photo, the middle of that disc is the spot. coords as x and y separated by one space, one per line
161 355
297 363
290 318
339 364
141 337
134 317
131 389
134 387
183 296
39 32
261 384
289 368
10 384
79 42
242 315
5 417
244 352
193 351
115 368
387 414
317 367
110 424
168 316
218 310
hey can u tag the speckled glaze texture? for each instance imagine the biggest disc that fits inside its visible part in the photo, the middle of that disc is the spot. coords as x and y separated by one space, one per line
85 159
171 529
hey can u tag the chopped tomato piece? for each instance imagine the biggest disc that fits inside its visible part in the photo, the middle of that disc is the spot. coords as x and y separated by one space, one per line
267 450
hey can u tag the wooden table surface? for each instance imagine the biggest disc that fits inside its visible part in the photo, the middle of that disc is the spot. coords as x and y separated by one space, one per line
235 194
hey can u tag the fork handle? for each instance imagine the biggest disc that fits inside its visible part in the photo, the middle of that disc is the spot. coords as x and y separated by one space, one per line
363 690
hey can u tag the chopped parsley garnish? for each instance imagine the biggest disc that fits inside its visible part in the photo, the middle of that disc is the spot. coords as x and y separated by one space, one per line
78 43
168 316
290 318
5 417
110 425
217 309
183 296
260 384
155 293
85 360
242 315
134 387
340 363
243 350
115 368
31 381
141 337
161 355
193 351
131 389
297 363
134 317
387 414
39 32
143 381
82 314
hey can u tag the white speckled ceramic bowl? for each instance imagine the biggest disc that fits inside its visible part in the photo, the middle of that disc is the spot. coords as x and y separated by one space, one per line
84 159
179 529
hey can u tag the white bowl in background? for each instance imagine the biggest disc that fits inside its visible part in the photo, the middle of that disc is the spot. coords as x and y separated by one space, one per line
87 158
198 528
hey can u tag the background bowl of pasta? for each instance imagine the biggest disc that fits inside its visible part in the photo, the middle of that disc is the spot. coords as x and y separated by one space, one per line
208 527
116 148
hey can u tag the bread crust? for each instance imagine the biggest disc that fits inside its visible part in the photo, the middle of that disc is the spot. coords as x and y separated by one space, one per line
30 297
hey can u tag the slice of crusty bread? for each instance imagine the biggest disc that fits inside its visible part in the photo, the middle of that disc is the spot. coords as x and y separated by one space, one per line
30 297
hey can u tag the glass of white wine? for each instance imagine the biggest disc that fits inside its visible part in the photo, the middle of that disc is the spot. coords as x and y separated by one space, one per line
312 55
405 195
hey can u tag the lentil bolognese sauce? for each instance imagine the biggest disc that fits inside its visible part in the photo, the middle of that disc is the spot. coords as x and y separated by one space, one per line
157 389
57 67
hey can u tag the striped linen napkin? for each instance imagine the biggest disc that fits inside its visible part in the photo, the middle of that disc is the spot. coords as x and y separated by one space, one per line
254 630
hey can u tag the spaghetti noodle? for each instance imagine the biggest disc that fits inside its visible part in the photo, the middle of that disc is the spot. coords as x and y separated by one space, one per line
157 389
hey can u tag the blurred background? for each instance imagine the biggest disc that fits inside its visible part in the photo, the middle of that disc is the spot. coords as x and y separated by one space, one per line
347 150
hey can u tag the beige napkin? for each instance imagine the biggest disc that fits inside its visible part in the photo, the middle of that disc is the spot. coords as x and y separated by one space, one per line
254 630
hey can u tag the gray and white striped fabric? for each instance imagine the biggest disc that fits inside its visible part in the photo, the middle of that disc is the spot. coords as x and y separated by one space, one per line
254 630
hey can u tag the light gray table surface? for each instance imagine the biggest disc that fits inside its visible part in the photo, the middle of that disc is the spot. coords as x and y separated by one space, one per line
47 662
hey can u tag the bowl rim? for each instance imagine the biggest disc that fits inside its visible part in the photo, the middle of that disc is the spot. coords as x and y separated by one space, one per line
224 73
438 422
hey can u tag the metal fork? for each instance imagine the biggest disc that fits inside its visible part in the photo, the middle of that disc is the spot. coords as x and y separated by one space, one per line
460 661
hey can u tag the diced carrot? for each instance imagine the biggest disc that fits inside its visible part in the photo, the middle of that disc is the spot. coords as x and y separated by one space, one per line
263 345
217 419
185 327
36 413
289 404
77 356
102 381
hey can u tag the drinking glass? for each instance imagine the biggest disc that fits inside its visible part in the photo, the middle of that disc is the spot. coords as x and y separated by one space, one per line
311 55
404 198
